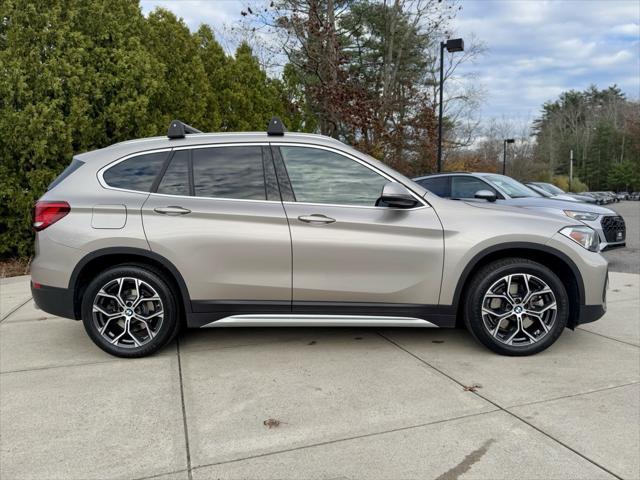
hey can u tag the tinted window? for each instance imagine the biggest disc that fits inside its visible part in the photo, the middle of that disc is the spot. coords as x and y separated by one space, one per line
229 172
72 167
467 186
136 173
176 179
320 176
436 185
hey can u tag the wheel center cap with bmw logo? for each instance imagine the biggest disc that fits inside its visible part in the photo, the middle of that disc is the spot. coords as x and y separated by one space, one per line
128 312
518 309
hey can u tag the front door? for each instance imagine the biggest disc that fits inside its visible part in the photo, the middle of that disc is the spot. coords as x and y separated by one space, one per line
350 255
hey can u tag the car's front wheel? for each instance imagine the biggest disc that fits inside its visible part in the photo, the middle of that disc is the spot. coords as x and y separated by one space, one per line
516 306
130 311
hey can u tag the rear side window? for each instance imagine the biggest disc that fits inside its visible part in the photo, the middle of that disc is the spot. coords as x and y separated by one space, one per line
72 167
436 185
176 178
229 172
136 173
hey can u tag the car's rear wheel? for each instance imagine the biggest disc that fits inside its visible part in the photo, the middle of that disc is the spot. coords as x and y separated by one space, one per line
516 306
130 311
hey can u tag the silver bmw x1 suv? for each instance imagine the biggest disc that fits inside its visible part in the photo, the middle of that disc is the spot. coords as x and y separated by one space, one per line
253 229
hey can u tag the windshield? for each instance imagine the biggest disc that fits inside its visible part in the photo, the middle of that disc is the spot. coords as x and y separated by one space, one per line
511 187
551 188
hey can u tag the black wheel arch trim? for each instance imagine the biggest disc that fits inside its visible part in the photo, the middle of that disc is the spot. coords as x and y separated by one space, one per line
133 251
477 258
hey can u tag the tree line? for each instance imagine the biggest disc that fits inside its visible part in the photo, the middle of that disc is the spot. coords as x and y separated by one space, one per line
77 75
602 128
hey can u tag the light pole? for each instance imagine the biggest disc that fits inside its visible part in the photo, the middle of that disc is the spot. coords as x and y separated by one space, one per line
504 154
452 45
571 171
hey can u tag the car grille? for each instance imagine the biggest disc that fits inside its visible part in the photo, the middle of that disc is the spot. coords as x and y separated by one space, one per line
614 229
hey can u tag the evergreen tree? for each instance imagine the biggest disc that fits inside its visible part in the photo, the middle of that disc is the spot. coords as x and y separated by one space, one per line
74 76
77 75
250 98
182 84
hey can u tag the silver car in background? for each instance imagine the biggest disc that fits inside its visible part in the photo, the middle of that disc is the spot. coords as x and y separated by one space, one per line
282 229
551 191
505 190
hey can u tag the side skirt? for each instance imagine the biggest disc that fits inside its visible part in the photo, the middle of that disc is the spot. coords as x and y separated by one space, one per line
207 313
317 321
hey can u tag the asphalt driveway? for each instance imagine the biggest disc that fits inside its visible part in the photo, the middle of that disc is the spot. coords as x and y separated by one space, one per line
319 403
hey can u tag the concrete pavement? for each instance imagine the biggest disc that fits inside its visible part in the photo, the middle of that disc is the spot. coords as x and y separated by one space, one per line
338 403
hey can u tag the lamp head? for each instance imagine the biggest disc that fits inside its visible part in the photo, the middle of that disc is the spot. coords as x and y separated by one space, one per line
454 45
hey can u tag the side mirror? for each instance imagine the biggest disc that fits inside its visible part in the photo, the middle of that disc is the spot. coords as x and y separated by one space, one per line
397 196
487 195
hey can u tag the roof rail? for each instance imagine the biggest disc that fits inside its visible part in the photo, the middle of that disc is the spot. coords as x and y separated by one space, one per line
276 127
178 129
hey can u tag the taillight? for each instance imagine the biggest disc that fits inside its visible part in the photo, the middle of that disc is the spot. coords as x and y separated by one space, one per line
46 214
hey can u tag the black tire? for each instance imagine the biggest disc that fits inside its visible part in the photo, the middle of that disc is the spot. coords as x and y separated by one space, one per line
167 329
494 272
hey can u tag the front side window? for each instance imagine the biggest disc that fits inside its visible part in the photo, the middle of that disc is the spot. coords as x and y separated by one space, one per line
136 173
321 176
229 172
467 186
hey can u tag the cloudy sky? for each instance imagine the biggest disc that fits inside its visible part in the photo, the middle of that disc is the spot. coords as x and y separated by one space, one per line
535 48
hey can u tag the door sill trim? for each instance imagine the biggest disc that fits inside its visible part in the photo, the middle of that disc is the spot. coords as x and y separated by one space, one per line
278 320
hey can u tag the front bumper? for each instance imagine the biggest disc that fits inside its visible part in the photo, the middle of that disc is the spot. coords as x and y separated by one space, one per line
54 300
611 231
592 273
589 313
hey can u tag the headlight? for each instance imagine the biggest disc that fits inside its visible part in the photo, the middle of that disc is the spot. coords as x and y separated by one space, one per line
585 236
582 216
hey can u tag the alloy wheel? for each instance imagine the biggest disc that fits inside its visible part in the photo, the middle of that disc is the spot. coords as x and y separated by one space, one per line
127 312
519 309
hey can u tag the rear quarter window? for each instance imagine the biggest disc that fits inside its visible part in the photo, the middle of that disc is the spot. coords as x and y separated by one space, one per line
136 173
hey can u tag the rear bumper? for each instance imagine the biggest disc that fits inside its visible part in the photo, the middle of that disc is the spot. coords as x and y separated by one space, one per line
54 300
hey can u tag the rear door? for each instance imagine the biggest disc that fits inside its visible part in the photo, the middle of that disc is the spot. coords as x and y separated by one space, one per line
216 214
350 255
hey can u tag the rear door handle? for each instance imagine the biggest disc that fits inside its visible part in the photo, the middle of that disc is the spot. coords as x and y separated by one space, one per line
172 210
316 218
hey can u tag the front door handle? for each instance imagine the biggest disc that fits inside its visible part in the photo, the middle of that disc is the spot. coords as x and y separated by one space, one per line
316 218
172 210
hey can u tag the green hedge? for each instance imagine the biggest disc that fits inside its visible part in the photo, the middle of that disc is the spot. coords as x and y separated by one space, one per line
80 75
